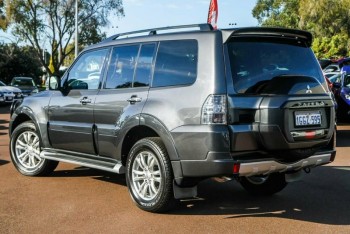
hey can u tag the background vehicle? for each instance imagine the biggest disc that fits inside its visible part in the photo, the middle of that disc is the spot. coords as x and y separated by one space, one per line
341 90
332 68
324 62
333 76
26 84
8 94
170 110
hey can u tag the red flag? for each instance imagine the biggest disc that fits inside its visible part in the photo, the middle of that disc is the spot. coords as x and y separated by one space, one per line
213 13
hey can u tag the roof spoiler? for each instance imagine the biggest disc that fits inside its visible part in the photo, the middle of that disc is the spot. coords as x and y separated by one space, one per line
268 32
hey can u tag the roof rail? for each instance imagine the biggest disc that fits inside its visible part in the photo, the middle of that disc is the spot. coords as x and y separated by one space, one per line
153 31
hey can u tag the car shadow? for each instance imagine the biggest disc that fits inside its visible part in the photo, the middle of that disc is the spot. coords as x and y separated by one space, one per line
320 197
3 121
2 127
94 173
5 109
343 137
3 162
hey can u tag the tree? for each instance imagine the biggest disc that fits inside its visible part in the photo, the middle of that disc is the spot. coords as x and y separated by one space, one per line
278 13
328 20
40 21
18 61
330 47
3 19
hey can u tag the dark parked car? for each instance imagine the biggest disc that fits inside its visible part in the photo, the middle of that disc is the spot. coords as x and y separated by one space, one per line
341 90
26 84
170 110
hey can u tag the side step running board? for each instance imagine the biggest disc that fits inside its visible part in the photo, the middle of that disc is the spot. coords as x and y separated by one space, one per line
105 165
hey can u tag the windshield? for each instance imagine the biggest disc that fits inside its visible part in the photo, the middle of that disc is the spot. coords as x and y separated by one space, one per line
23 82
258 60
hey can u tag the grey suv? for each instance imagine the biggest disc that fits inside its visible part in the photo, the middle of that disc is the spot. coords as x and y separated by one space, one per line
170 110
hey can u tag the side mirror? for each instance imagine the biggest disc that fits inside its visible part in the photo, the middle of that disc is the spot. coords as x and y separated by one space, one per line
53 83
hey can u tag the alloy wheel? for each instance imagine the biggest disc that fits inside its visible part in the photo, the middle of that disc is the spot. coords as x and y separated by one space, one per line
146 175
27 150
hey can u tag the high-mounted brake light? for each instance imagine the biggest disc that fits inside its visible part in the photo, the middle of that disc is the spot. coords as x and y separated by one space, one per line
214 110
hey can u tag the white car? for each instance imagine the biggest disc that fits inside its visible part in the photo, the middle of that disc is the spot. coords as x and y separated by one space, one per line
8 93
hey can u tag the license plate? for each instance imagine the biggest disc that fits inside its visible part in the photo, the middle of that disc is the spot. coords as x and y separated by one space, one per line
9 98
308 118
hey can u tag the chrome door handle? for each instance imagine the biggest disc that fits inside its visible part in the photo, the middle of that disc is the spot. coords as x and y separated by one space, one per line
134 99
85 100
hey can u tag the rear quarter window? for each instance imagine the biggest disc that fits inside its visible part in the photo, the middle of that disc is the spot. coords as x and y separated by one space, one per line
176 63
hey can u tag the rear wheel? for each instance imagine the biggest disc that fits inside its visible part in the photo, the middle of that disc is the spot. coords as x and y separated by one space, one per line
149 175
264 185
25 152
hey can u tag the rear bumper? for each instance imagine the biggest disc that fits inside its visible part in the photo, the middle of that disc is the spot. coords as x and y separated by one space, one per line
216 165
268 167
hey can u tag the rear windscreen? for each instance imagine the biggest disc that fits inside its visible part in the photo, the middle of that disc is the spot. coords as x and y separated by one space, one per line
255 61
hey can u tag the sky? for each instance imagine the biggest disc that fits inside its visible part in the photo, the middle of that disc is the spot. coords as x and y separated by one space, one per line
144 14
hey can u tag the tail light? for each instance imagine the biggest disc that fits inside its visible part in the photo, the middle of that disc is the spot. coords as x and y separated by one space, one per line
236 168
214 110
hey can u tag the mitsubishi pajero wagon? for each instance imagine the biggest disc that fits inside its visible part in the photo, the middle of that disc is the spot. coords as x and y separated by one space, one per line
174 108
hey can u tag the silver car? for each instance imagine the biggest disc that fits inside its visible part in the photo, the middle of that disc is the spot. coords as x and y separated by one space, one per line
8 93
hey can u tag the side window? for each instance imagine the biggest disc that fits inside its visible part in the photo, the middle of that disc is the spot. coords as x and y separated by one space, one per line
86 72
121 69
144 65
176 63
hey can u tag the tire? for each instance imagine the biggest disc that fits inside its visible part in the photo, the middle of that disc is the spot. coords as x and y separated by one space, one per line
264 185
25 147
149 176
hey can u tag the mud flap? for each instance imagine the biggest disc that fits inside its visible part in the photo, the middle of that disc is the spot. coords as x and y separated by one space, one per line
180 193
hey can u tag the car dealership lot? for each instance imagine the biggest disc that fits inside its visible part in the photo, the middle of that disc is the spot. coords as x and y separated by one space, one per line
81 200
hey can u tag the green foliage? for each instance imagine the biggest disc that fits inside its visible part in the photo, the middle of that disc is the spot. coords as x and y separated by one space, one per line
3 18
278 13
328 20
18 61
42 22
326 47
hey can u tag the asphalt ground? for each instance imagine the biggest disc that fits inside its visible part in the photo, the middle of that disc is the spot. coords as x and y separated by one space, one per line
81 200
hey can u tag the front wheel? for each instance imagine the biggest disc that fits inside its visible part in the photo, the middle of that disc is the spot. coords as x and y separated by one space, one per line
149 175
25 151
264 185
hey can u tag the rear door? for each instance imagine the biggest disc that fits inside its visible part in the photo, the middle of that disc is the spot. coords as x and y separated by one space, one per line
71 119
279 98
123 95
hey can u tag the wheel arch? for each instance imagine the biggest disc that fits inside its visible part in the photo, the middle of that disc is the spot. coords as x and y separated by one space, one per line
21 118
151 127
24 114
132 136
